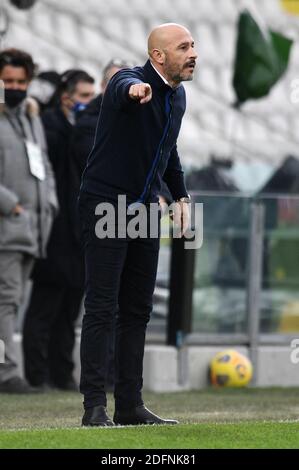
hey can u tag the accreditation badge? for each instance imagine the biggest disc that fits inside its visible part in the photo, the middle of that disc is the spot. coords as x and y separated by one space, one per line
36 163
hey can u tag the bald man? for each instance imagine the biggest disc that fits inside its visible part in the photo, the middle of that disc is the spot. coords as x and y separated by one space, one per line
134 152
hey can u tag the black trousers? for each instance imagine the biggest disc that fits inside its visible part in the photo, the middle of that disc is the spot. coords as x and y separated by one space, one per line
120 275
49 333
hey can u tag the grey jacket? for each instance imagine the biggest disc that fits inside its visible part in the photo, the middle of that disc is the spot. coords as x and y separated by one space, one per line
29 231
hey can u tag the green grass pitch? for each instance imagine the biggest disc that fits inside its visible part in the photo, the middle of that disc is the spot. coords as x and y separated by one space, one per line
210 419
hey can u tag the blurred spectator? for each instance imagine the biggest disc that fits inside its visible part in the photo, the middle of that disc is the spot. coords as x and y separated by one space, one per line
27 201
49 327
44 87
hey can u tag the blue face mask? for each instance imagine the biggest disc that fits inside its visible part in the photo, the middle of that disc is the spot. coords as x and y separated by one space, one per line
79 107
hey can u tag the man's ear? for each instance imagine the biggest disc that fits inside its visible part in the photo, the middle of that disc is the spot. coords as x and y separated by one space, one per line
65 99
158 56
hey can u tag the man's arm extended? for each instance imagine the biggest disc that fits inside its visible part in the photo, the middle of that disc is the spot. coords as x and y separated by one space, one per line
126 89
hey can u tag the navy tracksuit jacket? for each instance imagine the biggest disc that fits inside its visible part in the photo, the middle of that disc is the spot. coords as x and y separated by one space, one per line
135 145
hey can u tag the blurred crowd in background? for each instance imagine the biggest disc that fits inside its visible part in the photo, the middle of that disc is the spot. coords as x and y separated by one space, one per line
49 119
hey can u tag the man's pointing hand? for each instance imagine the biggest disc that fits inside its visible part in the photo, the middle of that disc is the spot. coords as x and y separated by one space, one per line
141 92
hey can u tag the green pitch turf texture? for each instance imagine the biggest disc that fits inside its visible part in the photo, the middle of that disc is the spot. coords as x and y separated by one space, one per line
210 419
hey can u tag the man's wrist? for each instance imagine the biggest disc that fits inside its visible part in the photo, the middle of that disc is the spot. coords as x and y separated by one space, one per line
186 199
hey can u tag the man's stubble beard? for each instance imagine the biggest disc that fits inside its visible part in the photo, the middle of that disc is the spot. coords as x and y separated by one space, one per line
175 75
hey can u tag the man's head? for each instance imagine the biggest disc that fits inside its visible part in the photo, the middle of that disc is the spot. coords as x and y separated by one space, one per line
171 50
16 71
114 66
77 89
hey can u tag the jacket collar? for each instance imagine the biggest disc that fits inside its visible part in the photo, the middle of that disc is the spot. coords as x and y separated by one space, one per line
154 78
161 76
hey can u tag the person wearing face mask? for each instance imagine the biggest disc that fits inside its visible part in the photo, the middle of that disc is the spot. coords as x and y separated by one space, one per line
75 93
43 89
58 280
28 202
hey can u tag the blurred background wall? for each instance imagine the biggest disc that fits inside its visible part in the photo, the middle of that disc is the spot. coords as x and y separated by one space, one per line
86 34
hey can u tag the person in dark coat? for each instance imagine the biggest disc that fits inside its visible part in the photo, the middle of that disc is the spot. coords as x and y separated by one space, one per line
58 281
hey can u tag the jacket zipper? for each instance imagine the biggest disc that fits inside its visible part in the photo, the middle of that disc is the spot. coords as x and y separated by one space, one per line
147 189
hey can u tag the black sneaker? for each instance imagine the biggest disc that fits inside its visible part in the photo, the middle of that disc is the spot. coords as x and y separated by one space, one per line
96 416
139 415
18 385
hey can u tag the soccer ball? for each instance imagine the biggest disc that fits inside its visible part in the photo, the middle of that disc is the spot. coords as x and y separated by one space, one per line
230 368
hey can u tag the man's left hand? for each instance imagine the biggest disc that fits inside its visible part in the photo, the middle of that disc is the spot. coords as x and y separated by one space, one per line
181 216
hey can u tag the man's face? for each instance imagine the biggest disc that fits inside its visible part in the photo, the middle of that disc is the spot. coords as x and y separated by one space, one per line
180 58
84 93
14 78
